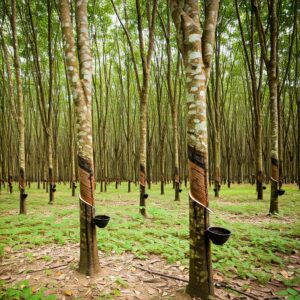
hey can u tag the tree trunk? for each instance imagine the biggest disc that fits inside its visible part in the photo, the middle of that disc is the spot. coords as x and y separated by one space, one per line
259 162
143 151
217 154
228 173
81 91
50 169
162 168
175 150
298 144
144 94
20 117
274 143
197 52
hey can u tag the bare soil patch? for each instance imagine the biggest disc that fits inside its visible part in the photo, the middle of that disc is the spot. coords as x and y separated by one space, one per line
261 218
121 277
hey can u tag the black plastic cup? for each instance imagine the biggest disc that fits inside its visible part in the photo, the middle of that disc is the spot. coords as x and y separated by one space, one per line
101 221
218 235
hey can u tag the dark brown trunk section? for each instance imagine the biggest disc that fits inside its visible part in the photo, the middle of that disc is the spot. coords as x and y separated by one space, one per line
217 187
200 283
23 195
89 261
228 173
274 187
298 144
259 185
162 168
10 186
142 191
200 269
51 186
73 188
129 186
177 185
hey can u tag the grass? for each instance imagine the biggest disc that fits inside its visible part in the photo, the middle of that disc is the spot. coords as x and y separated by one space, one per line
258 245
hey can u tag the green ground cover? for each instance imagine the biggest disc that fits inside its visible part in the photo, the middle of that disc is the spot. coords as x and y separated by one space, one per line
258 248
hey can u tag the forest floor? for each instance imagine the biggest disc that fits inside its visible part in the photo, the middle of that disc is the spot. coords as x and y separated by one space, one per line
39 251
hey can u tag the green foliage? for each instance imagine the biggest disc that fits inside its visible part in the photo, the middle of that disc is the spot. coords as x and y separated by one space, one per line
290 293
23 291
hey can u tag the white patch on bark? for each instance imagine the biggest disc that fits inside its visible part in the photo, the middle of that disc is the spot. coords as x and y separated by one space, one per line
194 55
200 126
202 93
200 77
191 112
194 37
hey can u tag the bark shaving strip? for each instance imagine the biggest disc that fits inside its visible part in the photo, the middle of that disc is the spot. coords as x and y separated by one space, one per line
195 200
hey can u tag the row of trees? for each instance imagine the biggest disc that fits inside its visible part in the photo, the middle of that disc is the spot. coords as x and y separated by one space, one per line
238 106
133 105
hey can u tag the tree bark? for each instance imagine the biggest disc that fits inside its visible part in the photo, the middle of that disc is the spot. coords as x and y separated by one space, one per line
81 91
19 113
197 52
271 65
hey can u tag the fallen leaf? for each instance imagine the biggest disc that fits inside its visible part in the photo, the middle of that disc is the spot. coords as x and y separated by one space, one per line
68 293
284 274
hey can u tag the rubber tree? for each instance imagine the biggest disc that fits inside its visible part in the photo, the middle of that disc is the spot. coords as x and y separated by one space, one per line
271 62
173 101
46 109
17 108
256 82
143 88
197 52
297 92
80 80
